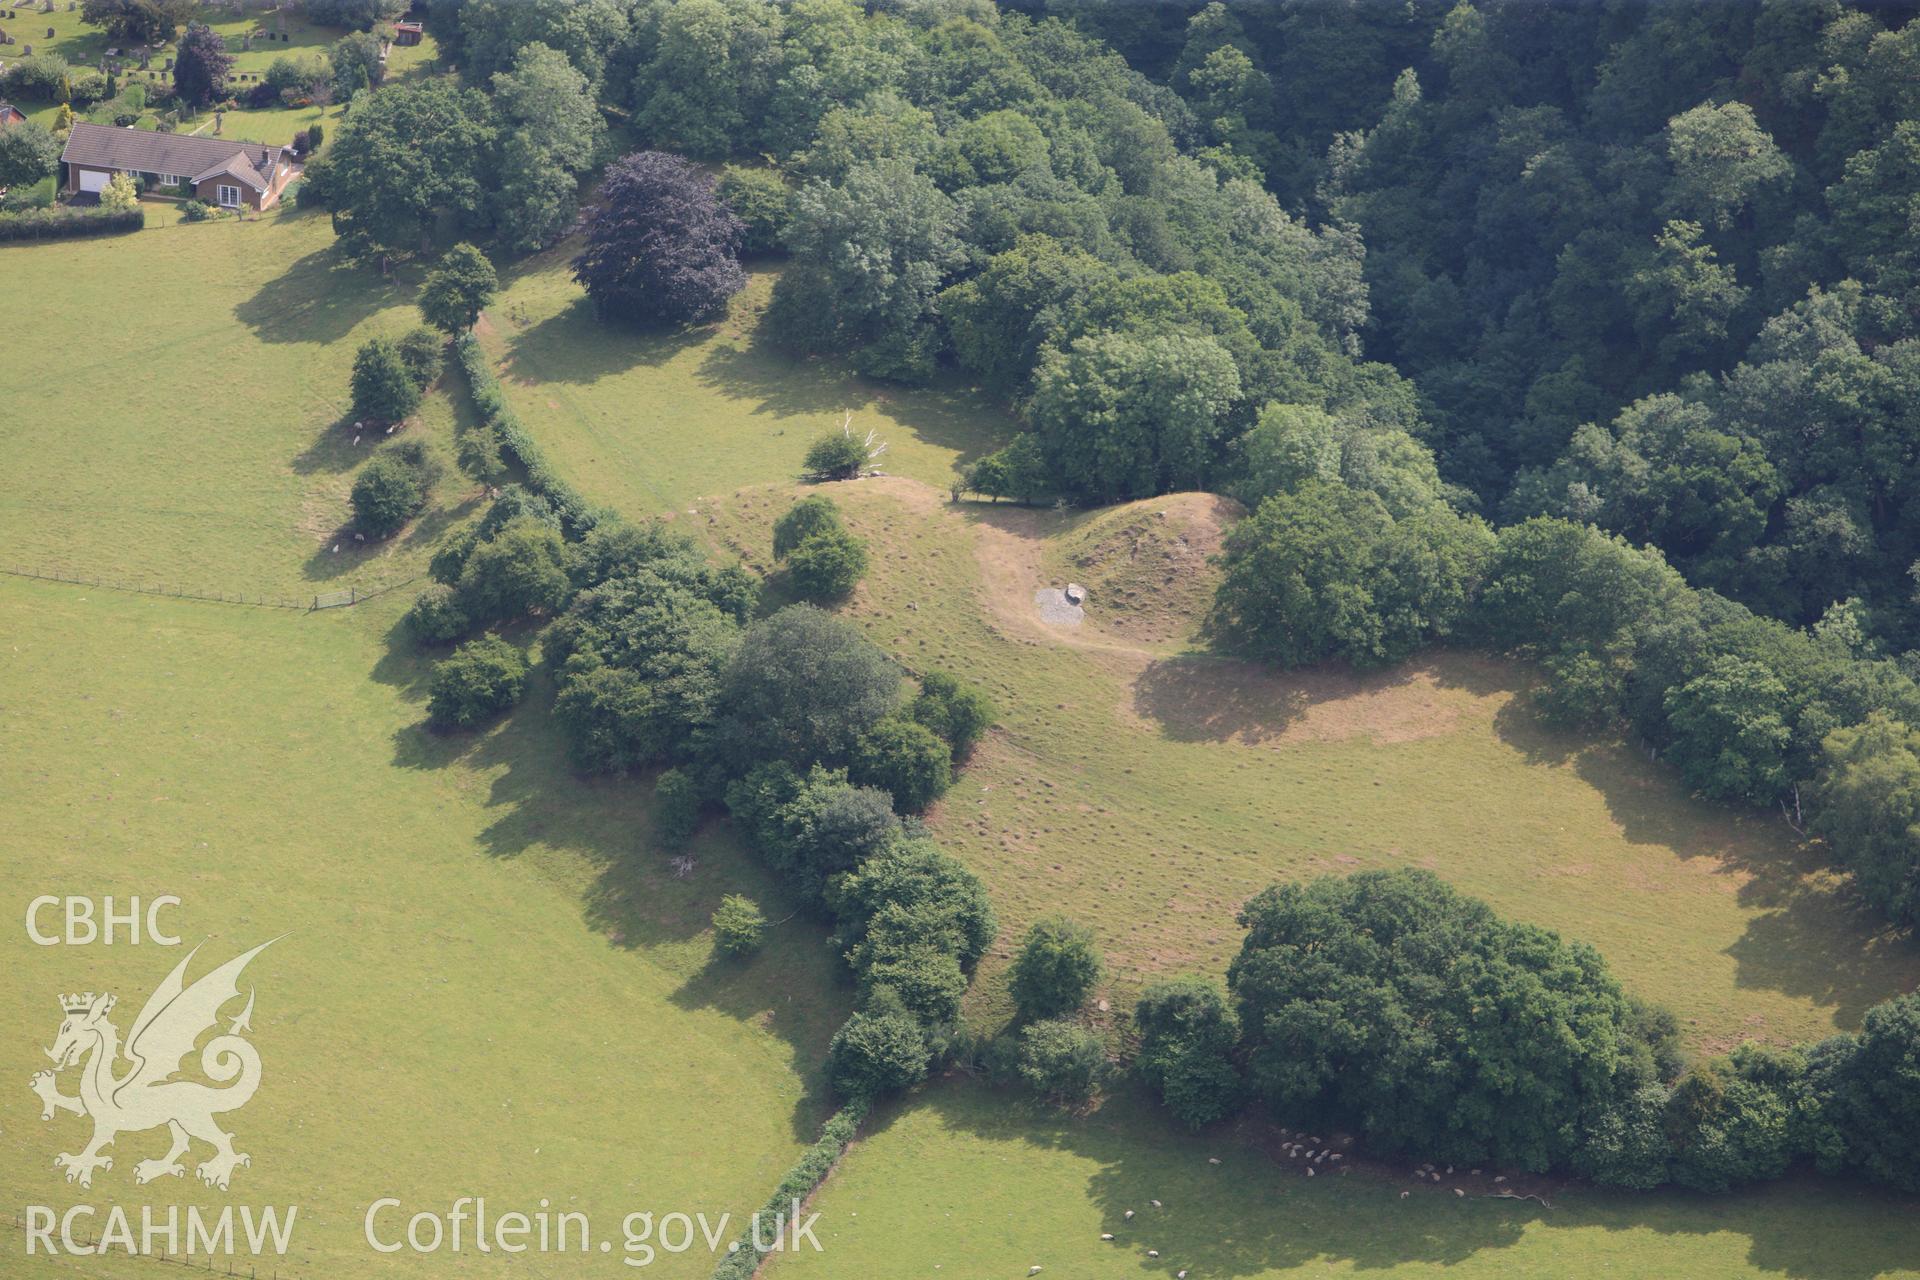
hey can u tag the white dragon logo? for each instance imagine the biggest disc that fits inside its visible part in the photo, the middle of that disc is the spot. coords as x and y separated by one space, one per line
146 1095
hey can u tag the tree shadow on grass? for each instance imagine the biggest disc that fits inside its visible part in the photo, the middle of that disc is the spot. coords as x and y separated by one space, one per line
575 346
319 298
333 450
631 894
1205 697
424 530
1812 936
1253 1215
946 413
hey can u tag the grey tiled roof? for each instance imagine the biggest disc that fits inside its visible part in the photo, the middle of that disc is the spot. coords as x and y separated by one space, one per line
101 147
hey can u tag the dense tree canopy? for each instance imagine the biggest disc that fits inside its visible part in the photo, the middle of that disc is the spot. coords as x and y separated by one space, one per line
803 688
407 157
1388 1000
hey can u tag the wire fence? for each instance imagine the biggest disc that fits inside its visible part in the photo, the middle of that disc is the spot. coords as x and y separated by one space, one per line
100 1265
341 598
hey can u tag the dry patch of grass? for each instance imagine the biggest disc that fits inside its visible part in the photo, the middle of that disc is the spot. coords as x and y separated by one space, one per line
1148 566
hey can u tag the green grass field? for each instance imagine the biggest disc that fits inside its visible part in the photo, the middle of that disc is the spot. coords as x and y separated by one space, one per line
649 422
966 1183
1149 791
180 418
491 981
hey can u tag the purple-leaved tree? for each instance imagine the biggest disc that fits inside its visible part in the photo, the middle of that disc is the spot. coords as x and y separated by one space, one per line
660 245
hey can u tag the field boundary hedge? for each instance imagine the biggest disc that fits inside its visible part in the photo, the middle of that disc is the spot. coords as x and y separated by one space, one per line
490 398
803 1179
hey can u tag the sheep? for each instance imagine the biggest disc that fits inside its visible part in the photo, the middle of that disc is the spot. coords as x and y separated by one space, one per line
1106 1235
1405 1194
1034 1270
1153 1253
1309 1171
1457 1191
1213 1159
1154 1203
1128 1215
1501 1178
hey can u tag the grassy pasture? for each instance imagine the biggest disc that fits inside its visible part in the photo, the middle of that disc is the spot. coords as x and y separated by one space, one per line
967 1183
179 416
649 422
492 983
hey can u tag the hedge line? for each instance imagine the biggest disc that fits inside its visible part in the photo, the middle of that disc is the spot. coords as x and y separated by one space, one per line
575 511
807 1173
62 223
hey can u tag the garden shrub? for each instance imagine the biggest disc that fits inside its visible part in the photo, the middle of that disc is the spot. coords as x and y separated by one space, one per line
63 222
40 76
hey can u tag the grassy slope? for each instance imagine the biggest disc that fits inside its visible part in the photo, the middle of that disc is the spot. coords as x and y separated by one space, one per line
651 422
176 417
964 1181
491 984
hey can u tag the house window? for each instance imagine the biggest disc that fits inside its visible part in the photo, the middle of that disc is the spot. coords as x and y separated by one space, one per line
230 197
169 179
